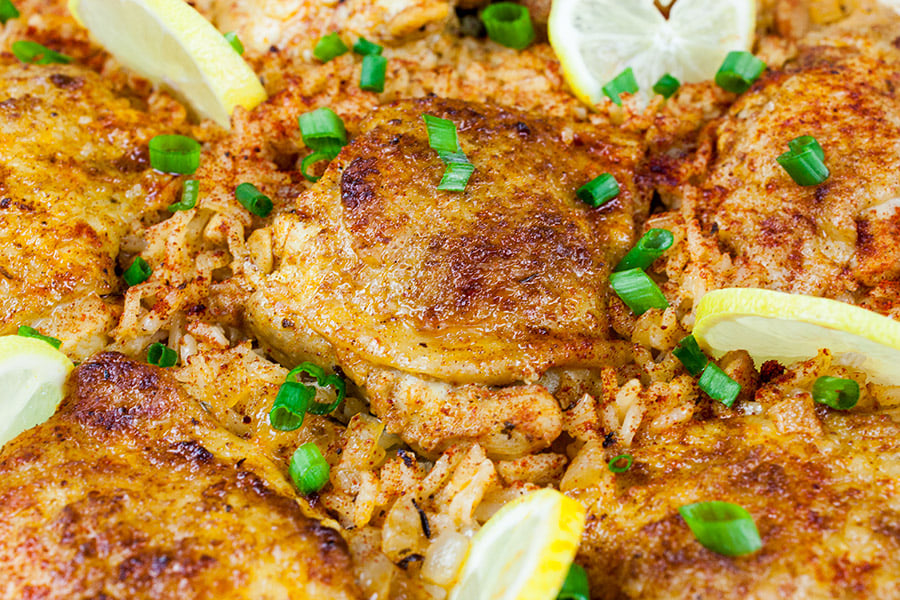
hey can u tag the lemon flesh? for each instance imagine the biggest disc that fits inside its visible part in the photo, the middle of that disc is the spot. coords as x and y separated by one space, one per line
524 551
32 374
595 40
789 328
169 42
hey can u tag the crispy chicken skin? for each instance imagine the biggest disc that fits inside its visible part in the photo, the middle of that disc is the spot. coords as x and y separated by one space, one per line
836 239
74 175
827 507
132 491
392 279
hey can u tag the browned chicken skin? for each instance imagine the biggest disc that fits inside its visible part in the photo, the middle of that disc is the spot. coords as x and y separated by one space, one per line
842 237
414 291
74 175
132 491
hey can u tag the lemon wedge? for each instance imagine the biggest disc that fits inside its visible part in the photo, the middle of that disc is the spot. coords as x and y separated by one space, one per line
789 328
595 40
169 42
32 373
524 551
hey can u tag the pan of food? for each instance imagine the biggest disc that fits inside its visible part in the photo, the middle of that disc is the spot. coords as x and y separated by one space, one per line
449 299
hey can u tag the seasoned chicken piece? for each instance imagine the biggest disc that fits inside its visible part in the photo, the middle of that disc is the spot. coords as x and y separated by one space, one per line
74 176
415 292
132 491
841 237
826 503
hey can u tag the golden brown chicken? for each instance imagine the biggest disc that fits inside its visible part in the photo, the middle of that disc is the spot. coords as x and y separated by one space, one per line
841 238
821 485
425 297
74 177
132 491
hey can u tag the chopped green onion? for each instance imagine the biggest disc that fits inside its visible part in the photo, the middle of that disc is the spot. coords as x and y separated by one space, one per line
322 380
26 331
806 166
36 54
836 392
738 71
322 128
443 140
599 190
8 11
161 355
308 469
637 290
690 355
290 406
365 47
666 86
253 200
650 247
575 587
324 133
719 385
329 46
232 38
177 154
190 191
722 527
138 272
508 24
622 83
801 143
371 78
615 464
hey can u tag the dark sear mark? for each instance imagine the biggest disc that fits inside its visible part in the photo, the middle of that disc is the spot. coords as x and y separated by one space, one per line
404 563
426 526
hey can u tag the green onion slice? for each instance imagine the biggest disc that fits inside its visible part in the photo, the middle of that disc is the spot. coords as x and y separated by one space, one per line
722 527
719 385
650 247
161 355
575 587
322 380
232 38
637 290
190 191
26 331
622 83
138 272
177 154
443 140
323 132
290 406
365 47
8 11
805 167
666 86
253 200
599 190
329 46
799 144
620 463
308 469
371 78
36 54
836 392
508 24
690 355
738 71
